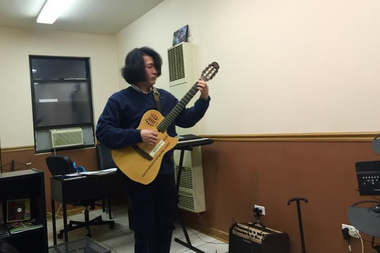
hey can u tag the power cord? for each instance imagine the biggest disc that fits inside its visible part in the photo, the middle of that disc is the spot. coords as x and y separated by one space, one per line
347 237
195 233
361 240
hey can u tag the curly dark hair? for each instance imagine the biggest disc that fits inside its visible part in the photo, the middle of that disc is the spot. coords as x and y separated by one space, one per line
134 68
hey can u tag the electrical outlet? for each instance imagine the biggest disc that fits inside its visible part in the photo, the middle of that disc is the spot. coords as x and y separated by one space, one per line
261 208
351 230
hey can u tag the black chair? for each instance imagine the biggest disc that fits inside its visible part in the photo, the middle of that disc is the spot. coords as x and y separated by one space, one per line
105 161
60 165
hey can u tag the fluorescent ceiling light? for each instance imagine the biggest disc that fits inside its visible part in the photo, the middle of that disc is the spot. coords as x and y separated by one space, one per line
51 10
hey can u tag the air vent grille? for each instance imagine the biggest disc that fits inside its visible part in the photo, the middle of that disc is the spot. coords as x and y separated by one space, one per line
186 202
191 191
186 177
176 63
66 137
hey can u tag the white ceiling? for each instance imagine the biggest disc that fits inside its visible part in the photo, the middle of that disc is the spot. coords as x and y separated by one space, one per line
85 16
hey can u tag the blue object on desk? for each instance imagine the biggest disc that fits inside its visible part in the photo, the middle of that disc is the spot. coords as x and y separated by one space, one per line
79 168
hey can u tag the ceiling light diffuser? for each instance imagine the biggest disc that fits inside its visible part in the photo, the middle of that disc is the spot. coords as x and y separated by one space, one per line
51 10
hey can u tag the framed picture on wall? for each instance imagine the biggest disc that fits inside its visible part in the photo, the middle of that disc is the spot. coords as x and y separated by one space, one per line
181 35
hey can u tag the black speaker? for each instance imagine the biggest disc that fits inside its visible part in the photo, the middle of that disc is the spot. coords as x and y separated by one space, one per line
251 238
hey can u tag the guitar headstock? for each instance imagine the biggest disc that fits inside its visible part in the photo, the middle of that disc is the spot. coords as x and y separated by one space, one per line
209 72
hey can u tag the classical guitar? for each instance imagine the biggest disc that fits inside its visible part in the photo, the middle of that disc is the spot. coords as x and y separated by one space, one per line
141 162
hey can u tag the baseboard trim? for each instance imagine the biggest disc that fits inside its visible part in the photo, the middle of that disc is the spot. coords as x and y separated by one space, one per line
297 137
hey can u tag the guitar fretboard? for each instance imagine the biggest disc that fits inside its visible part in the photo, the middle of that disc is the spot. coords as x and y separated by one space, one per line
169 119
207 74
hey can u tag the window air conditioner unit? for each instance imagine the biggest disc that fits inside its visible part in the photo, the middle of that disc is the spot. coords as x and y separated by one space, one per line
181 64
66 137
191 189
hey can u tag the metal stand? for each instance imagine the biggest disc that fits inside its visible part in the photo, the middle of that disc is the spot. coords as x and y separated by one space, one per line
376 247
300 219
188 242
12 166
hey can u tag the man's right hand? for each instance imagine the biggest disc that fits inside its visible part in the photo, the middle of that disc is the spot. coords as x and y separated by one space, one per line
148 136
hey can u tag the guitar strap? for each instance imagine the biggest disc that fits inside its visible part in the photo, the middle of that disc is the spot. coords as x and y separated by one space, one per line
156 95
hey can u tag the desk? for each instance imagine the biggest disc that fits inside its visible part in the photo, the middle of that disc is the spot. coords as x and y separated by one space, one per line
72 190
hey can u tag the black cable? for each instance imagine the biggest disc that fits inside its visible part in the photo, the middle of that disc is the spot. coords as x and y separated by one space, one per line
207 241
347 237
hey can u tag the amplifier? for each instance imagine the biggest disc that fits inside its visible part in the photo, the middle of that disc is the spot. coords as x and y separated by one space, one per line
252 238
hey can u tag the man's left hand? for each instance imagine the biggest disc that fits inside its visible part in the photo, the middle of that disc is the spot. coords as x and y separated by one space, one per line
202 86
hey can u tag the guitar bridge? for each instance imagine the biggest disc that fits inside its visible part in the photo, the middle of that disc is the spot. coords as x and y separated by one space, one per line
141 152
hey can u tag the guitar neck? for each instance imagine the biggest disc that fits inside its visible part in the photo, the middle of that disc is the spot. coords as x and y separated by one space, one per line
169 119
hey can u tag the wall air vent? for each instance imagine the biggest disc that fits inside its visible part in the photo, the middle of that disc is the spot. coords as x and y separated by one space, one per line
181 63
191 189
176 63
66 137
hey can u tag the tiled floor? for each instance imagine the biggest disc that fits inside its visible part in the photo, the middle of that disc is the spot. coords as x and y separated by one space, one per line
120 239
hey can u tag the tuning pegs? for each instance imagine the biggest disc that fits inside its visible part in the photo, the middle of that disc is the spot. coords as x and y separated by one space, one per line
215 65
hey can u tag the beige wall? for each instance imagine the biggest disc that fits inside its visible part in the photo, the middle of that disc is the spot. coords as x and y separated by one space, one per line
16 118
286 66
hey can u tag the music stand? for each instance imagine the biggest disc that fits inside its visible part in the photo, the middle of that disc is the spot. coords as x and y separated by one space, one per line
367 219
186 147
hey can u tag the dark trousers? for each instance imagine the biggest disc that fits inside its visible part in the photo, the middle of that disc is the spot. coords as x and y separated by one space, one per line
153 210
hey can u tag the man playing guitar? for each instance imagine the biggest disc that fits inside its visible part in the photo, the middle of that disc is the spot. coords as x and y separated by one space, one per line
153 201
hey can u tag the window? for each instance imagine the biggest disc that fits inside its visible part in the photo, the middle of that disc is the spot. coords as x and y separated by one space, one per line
61 97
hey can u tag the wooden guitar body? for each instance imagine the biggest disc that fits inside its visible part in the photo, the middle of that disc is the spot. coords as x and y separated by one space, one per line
142 162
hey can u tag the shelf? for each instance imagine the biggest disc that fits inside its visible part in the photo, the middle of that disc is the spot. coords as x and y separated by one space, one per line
33 188
27 232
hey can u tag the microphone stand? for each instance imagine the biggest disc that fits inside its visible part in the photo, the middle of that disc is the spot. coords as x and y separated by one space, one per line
376 209
300 219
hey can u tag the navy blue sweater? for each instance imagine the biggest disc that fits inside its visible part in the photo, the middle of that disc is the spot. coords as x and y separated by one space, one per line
121 116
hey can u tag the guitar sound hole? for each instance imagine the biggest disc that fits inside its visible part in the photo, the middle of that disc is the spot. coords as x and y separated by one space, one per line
151 121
